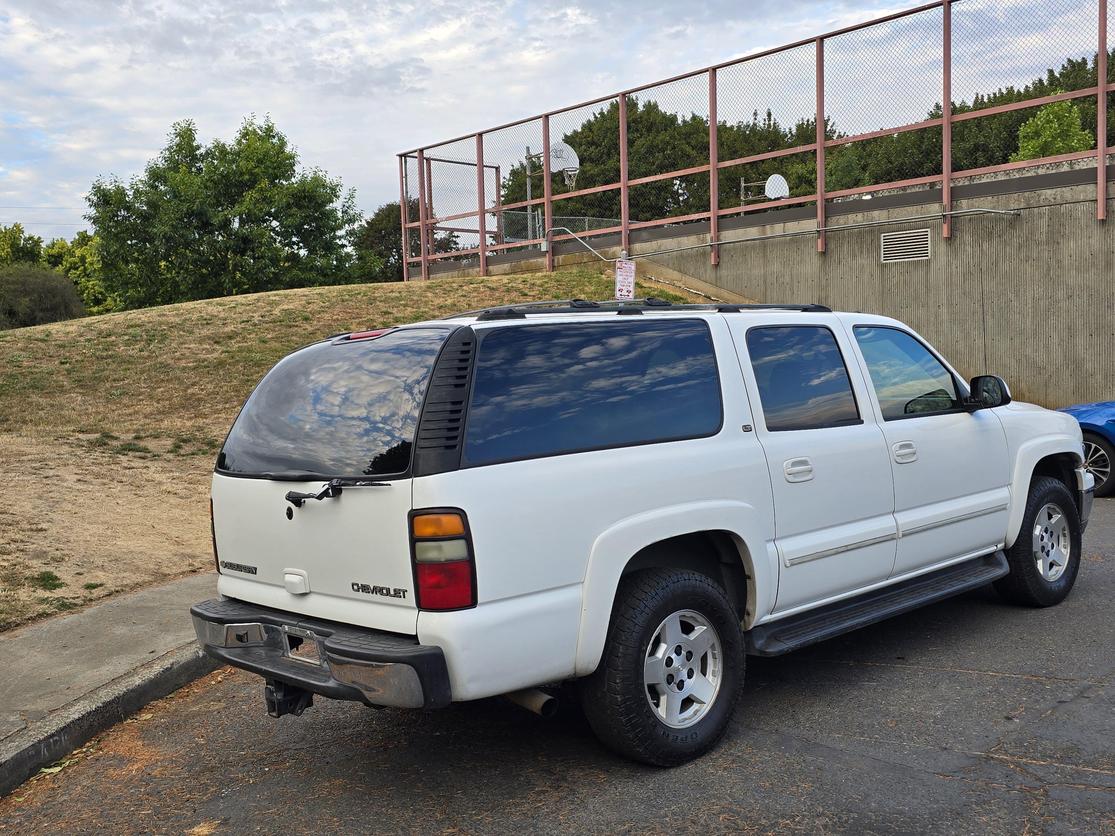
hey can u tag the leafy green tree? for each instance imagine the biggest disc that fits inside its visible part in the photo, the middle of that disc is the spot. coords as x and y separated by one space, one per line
18 246
33 295
220 219
375 244
80 261
1054 129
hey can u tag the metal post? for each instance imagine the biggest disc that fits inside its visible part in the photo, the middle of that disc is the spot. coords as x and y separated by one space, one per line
530 209
403 217
499 205
481 207
624 202
422 248
1101 117
820 145
430 216
713 173
946 122
547 194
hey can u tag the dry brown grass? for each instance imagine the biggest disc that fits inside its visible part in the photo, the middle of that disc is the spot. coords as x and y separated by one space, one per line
109 425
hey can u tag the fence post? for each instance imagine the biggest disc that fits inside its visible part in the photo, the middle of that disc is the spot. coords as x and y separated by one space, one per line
713 172
499 205
624 203
946 121
422 247
820 145
481 205
1101 117
403 217
430 211
547 194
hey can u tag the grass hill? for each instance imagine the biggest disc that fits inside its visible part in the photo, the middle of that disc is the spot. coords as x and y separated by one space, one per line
109 424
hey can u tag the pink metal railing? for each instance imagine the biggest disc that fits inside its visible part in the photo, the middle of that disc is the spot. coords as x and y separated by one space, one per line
429 221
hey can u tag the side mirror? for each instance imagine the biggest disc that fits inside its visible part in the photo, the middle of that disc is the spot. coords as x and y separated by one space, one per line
988 392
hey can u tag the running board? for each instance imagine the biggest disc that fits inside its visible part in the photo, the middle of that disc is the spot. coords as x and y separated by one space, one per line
810 627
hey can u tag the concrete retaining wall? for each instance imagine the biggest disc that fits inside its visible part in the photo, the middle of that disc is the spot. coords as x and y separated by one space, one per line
1030 298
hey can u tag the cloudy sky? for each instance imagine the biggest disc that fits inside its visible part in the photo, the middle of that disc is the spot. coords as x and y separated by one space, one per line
90 88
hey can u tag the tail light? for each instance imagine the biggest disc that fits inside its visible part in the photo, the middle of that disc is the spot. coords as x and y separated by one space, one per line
444 570
213 537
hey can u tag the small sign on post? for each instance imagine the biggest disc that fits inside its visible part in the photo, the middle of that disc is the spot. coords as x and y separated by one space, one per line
625 279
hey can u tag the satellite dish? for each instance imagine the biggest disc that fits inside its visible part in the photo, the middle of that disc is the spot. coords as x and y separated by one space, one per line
776 187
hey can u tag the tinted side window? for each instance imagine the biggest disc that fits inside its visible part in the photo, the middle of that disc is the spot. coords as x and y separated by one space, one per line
803 383
908 379
542 390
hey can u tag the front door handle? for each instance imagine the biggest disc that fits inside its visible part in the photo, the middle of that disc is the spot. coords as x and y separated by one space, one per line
905 452
798 470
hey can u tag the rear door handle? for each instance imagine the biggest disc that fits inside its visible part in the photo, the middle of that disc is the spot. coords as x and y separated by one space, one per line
905 452
798 470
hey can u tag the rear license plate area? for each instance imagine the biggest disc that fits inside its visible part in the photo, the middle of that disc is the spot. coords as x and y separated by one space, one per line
301 646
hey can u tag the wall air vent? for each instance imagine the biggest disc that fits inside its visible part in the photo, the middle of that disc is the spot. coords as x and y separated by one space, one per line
908 245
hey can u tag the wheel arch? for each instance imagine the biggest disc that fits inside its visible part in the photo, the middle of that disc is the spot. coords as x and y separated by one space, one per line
1037 458
720 539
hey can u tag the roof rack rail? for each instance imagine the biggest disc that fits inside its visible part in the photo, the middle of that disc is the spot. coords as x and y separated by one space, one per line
519 310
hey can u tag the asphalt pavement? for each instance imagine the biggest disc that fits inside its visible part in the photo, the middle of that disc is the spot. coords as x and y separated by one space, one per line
970 716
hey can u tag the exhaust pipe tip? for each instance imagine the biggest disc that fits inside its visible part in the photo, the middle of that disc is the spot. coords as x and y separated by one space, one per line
536 701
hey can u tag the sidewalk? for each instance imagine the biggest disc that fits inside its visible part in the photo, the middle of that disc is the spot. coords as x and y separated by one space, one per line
69 678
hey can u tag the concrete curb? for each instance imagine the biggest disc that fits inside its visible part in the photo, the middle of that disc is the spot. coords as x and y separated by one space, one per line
59 733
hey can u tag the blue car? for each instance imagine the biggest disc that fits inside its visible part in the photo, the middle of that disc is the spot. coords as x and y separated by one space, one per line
1097 422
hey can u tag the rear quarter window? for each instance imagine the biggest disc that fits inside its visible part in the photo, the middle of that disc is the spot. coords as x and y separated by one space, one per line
545 390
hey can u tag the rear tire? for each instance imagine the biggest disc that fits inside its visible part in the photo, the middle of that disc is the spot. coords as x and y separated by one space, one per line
671 671
1045 558
1099 456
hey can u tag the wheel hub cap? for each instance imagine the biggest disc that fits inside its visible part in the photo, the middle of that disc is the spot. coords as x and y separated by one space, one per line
683 668
1052 546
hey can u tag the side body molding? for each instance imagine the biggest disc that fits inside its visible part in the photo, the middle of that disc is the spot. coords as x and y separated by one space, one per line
612 550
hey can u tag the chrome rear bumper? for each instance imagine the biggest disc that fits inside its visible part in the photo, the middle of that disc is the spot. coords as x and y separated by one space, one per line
342 662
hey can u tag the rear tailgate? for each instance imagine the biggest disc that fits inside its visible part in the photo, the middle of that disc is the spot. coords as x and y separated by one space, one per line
351 552
343 412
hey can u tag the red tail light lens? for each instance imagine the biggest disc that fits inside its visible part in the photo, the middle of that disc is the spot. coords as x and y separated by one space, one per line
445 586
444 575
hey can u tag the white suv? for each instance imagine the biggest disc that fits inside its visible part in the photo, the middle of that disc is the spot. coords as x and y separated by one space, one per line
634 495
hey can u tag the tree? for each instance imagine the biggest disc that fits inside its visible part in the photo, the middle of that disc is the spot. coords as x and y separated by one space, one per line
33 295
19 247
220 219
1054 129
80 261
375 244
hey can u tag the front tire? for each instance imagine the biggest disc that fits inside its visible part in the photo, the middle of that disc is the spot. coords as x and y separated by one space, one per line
672 668
1045 558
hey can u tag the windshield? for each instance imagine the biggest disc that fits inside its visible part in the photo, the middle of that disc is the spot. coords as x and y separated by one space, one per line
336 409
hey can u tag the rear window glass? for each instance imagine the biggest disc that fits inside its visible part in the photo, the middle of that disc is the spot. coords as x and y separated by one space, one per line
336 409
542 390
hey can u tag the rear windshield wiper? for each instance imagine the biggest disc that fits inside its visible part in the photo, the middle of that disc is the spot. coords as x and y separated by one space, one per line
331 489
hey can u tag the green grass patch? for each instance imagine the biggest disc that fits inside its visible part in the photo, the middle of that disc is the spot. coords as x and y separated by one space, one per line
46 580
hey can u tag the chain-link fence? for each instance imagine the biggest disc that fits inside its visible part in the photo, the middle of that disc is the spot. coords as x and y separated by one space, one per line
914 99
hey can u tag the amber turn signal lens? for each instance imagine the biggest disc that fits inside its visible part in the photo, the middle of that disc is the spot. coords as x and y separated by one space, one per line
437 525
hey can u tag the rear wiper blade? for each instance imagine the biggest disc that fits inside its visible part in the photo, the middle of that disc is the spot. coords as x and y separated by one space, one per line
295 476
331 489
